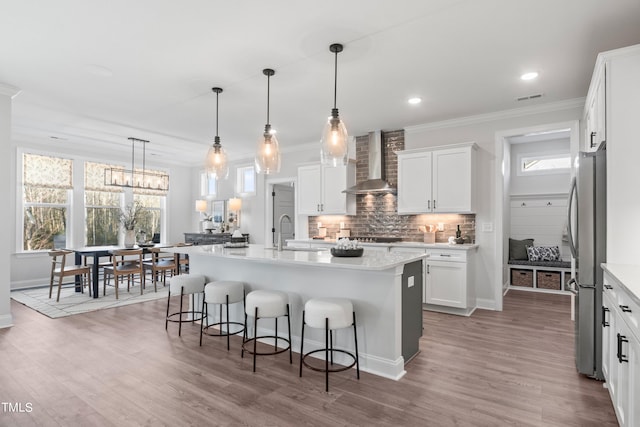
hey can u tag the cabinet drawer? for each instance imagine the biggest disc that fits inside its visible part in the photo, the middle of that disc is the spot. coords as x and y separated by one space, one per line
522 278
548 279
451 255
629 311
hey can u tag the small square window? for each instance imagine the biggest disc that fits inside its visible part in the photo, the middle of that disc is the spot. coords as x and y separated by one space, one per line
208 186
246 180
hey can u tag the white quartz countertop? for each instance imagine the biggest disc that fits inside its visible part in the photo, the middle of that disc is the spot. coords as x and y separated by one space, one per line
419 245
628 275
371 260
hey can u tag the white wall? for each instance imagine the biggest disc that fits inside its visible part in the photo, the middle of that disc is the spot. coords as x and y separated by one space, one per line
482 130
6 225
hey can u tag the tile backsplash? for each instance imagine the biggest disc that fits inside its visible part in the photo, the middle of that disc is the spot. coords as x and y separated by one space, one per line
376 214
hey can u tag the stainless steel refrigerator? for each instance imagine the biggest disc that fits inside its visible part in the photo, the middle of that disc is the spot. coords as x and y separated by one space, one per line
587 240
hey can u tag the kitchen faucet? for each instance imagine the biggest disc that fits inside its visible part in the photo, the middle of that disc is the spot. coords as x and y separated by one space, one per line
282 217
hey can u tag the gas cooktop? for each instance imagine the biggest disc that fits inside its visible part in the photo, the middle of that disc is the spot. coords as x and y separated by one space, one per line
377 239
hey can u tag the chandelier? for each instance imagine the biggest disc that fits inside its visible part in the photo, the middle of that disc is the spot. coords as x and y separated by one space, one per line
137 178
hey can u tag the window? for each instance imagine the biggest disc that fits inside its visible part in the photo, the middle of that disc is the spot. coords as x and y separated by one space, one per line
102 206
208 186
47 182
544 164
151 221
246 180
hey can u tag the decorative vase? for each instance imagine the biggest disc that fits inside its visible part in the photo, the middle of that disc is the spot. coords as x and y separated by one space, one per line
129 238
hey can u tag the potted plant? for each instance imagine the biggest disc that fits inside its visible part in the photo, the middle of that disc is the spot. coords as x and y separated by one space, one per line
130 216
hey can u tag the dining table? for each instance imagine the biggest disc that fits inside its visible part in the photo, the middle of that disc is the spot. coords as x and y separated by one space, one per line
97 252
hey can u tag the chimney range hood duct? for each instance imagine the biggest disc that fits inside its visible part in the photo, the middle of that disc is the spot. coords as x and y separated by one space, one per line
376 182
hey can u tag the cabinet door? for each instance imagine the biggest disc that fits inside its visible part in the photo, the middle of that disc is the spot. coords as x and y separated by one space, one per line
309 189
446 284
622 400
452 180
595 117
414 183
608 337
333 200
634 382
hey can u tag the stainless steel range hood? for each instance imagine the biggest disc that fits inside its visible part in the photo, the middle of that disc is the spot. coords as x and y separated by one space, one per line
376 182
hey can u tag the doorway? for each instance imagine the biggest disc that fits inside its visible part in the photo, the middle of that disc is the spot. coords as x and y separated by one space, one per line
504 141
280 199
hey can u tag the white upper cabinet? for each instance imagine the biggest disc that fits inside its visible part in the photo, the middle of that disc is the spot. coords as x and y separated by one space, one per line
595 117
437 180
320 190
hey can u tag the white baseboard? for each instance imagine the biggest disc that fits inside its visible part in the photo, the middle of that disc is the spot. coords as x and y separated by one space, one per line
32 283
6 321
485 304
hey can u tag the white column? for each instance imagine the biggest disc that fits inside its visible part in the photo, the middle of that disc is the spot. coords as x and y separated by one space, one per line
7 213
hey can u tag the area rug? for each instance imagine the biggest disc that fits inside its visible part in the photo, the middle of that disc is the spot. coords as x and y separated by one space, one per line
72 302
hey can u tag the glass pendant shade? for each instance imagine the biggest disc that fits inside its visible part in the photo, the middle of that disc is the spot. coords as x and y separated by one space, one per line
217 165
335 142
268 153
267 157
334 145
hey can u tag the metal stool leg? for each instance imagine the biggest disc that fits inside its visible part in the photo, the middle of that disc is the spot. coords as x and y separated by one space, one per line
180 315
166 322
326 353
301 343
255 338
289 327
355 339
228 334
205 315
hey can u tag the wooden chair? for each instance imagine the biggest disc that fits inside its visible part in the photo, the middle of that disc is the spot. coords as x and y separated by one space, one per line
159 263
60 269
183 259
125 262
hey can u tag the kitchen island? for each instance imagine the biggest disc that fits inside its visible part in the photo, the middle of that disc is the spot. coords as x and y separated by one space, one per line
384 288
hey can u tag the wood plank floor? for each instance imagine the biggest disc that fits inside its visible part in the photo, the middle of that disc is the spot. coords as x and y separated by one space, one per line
119 367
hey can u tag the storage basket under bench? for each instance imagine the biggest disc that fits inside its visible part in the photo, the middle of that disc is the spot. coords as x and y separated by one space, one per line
547 275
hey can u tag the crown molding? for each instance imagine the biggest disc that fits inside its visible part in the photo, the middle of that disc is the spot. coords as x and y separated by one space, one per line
499 115
8 90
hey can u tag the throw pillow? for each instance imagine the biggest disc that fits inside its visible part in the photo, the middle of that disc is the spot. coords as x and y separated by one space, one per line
543 253
518 248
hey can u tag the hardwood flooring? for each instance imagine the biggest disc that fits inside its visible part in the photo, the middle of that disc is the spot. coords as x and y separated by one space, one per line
119 367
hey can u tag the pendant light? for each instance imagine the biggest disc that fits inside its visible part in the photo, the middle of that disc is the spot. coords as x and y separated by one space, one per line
268 154
217 165
334 143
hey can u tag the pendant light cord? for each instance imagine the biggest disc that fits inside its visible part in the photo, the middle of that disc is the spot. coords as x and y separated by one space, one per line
335 80
268 95
217 95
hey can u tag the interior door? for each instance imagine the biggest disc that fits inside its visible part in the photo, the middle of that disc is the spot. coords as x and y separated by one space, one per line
283 203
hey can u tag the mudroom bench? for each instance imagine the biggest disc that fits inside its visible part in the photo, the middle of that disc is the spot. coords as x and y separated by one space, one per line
539 275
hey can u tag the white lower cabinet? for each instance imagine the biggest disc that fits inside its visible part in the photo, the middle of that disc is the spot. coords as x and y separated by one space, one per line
621 350
448 286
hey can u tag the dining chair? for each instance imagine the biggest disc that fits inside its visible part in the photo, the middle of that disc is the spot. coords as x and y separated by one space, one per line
160 264
125 263
60 269
183 259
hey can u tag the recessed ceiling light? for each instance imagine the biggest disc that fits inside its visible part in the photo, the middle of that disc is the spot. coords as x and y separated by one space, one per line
415 100
529 76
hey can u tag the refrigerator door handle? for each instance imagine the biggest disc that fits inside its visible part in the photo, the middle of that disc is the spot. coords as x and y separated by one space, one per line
586 286
572 193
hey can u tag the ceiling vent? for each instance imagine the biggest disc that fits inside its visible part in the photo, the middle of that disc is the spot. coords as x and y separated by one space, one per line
528 97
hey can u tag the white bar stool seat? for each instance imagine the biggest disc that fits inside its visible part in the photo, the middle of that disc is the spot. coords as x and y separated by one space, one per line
266 304
221 292
188 284
329 314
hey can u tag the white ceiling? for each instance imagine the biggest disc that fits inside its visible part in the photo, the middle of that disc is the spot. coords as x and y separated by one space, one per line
93 73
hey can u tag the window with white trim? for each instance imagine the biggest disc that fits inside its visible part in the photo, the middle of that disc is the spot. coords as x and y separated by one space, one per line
544 164
246 180
47 182
102 206
208 186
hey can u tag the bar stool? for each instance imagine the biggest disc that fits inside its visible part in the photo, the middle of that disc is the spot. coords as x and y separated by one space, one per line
221 292
265 304
188 284
329 314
